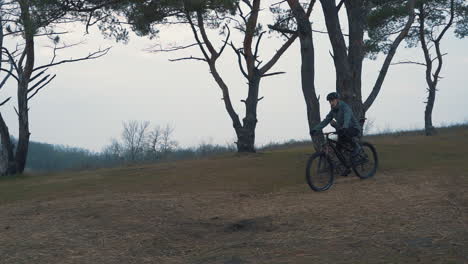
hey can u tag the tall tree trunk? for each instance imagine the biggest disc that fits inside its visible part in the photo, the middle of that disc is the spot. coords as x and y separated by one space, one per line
345 81
431 83
246 135
429 128
307 67
24 78
308 84
356 11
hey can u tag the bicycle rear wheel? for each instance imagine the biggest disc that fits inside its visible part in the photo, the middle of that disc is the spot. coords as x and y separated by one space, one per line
367 161
319 172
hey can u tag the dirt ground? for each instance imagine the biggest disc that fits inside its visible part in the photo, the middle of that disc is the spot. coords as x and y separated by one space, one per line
414 217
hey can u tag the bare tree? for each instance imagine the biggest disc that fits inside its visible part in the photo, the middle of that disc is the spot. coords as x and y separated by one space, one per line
113 151
167 144
134 138
153 142
139 143
252 68
27 20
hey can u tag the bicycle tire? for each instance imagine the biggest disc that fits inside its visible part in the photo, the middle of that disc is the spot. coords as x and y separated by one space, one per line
318 157
375 159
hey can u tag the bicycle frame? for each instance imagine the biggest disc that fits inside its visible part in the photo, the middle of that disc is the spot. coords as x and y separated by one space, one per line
333 145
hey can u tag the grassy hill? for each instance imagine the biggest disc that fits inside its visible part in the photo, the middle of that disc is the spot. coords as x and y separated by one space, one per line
247 209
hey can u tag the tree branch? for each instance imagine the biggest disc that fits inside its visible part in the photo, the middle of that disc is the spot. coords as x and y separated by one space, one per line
77 6
91 56
187 58
11 58
441 55
248 4
225 41
38 83
310 8
271 74
449 24
388 59
409 62
170 49
258 43
10 73
238 53
437 43
277 55
195 34
38 89
205 36
338 7
5 101
281 30
241 14
37 75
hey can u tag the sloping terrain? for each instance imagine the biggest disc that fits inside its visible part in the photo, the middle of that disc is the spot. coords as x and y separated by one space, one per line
247 209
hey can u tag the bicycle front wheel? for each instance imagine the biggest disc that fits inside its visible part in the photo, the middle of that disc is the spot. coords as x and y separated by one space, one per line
319 172
367 163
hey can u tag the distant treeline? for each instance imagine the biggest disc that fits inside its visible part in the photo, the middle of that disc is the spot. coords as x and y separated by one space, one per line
45 157
49 157
138 144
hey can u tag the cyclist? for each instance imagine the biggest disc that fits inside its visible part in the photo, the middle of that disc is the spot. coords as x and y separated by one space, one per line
346 123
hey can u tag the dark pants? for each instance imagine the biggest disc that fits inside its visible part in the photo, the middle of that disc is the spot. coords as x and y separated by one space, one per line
346 137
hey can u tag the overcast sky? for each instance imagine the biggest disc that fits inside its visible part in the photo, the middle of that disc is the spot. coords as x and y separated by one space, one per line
87 102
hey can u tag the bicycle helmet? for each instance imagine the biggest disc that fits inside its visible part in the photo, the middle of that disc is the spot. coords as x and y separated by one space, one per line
332 96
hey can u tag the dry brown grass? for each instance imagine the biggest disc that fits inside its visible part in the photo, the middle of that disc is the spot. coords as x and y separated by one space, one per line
247 209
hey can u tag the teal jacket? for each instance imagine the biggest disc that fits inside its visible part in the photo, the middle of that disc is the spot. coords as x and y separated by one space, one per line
343 115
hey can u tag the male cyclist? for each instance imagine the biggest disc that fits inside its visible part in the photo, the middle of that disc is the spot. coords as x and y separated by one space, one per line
346 124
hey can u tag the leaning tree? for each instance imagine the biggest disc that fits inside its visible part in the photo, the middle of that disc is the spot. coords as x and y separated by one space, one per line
24 21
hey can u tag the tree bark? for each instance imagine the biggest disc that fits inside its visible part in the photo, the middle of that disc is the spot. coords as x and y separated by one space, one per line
428 127
246 135
7 162
356 11
307 67
7 158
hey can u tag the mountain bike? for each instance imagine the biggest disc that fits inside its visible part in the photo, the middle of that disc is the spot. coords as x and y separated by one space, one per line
335 157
